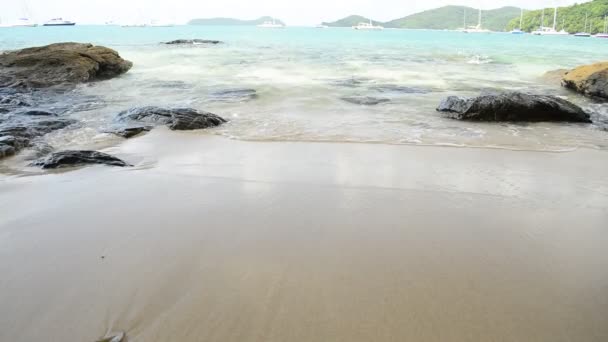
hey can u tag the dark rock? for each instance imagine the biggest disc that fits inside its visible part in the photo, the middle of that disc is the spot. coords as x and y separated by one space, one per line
512 107
77 158
352 82
234 95
130 132
19 133
192 42
59 64
590 80
36 113
365 100
6 151
175 118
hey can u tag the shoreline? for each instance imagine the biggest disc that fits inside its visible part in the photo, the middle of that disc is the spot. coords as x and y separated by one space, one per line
212 239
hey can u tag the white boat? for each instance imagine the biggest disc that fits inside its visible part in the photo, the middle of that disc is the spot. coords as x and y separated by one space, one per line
521 21
321 26
59 22
271 24
478 28
605 34
584 34
368 26
157 23
24 22
550 31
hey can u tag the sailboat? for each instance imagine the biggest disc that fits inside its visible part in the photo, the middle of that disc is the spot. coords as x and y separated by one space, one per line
368 26
271 24
478 28
521 21
550 31
584 34
24 21
605 34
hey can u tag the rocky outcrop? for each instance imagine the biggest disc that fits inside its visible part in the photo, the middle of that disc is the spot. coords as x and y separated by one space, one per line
192 42
589 80
59 64
512 107
365 100
174 118
77 158
130 132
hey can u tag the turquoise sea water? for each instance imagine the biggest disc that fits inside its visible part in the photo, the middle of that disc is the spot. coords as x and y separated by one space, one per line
302 75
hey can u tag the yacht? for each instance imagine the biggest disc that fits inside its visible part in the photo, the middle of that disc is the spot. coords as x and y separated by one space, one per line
584 34
478 28
550 31
605 34
24 22
59 22
368 26
271 24
521 21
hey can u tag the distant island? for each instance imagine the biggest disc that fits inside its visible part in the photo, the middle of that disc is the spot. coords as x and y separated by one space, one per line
443 18
232 21
570 18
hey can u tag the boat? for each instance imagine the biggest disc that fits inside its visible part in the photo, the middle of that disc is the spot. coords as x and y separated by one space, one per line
605 34
59 22
550 31
321 26
584 34
24 22
157 23
368 26
271 24
521 21
478 28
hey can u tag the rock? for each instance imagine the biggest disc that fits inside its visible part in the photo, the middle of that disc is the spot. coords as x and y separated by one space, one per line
512 107
6 151
554 76
59 64
77 158
192 42
36 113
365 100
19 133
234 95
590 80
174 118
130 132
352 82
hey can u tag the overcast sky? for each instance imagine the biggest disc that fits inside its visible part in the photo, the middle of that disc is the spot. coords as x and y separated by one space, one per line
307 12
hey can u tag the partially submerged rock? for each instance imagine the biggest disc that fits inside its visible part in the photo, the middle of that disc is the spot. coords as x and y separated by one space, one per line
174 118
20 132
234 94
129 132
512 107
590 80
77 158
192 42
365 100
59 64
399 89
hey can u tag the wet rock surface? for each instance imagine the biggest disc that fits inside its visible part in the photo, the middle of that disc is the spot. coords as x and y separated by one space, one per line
589 80
234 95
130 132
365 100
77 158
59 64
512 107
192 42
174 118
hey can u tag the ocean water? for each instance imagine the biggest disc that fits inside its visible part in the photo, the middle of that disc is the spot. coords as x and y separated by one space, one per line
301 77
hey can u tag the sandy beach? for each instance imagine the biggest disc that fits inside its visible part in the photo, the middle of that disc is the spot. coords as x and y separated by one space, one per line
210 239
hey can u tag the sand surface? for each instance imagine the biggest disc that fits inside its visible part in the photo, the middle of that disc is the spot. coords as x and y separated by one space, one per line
208 239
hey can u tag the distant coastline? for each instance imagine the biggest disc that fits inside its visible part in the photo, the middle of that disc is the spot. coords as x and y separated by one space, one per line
232 21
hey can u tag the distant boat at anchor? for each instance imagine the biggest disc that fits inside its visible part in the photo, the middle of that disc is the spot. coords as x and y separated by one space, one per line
59 22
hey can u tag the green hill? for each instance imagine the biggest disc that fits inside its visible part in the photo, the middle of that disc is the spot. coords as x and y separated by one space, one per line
571 18
351 21
452 17
231 21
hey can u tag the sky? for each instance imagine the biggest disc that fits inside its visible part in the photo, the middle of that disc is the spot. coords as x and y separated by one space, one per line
295 13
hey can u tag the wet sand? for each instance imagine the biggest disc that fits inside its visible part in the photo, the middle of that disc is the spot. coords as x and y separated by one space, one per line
209 239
